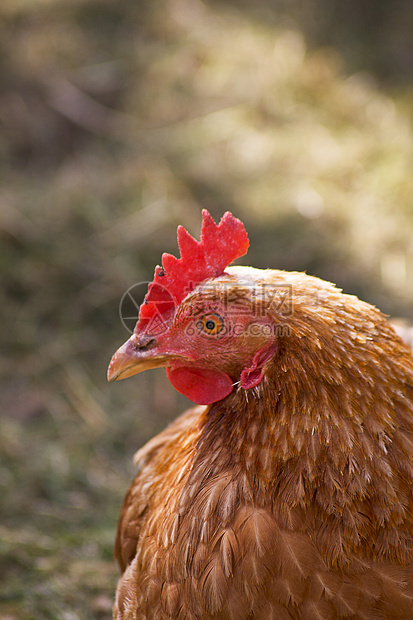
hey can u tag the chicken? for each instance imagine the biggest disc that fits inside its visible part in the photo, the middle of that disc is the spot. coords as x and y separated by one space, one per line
287 493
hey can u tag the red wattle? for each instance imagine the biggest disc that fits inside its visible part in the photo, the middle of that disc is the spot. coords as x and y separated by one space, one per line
201 385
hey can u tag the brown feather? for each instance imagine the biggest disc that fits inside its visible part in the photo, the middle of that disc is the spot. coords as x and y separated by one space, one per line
294 499
228 551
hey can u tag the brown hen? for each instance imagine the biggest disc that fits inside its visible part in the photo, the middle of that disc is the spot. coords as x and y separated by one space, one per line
290 494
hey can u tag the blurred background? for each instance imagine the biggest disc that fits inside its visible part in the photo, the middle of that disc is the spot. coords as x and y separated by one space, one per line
119 121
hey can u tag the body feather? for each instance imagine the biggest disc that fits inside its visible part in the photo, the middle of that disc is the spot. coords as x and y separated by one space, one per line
295 503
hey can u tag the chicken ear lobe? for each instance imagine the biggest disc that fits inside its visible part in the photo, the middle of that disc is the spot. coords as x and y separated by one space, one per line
252 376
201 385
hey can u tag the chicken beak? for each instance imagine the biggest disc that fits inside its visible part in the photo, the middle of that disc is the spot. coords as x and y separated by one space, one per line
139 353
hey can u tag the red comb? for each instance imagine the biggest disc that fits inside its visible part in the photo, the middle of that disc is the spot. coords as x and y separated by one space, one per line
220 244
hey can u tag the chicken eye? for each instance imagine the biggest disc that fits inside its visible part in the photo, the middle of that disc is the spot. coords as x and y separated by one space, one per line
211 324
